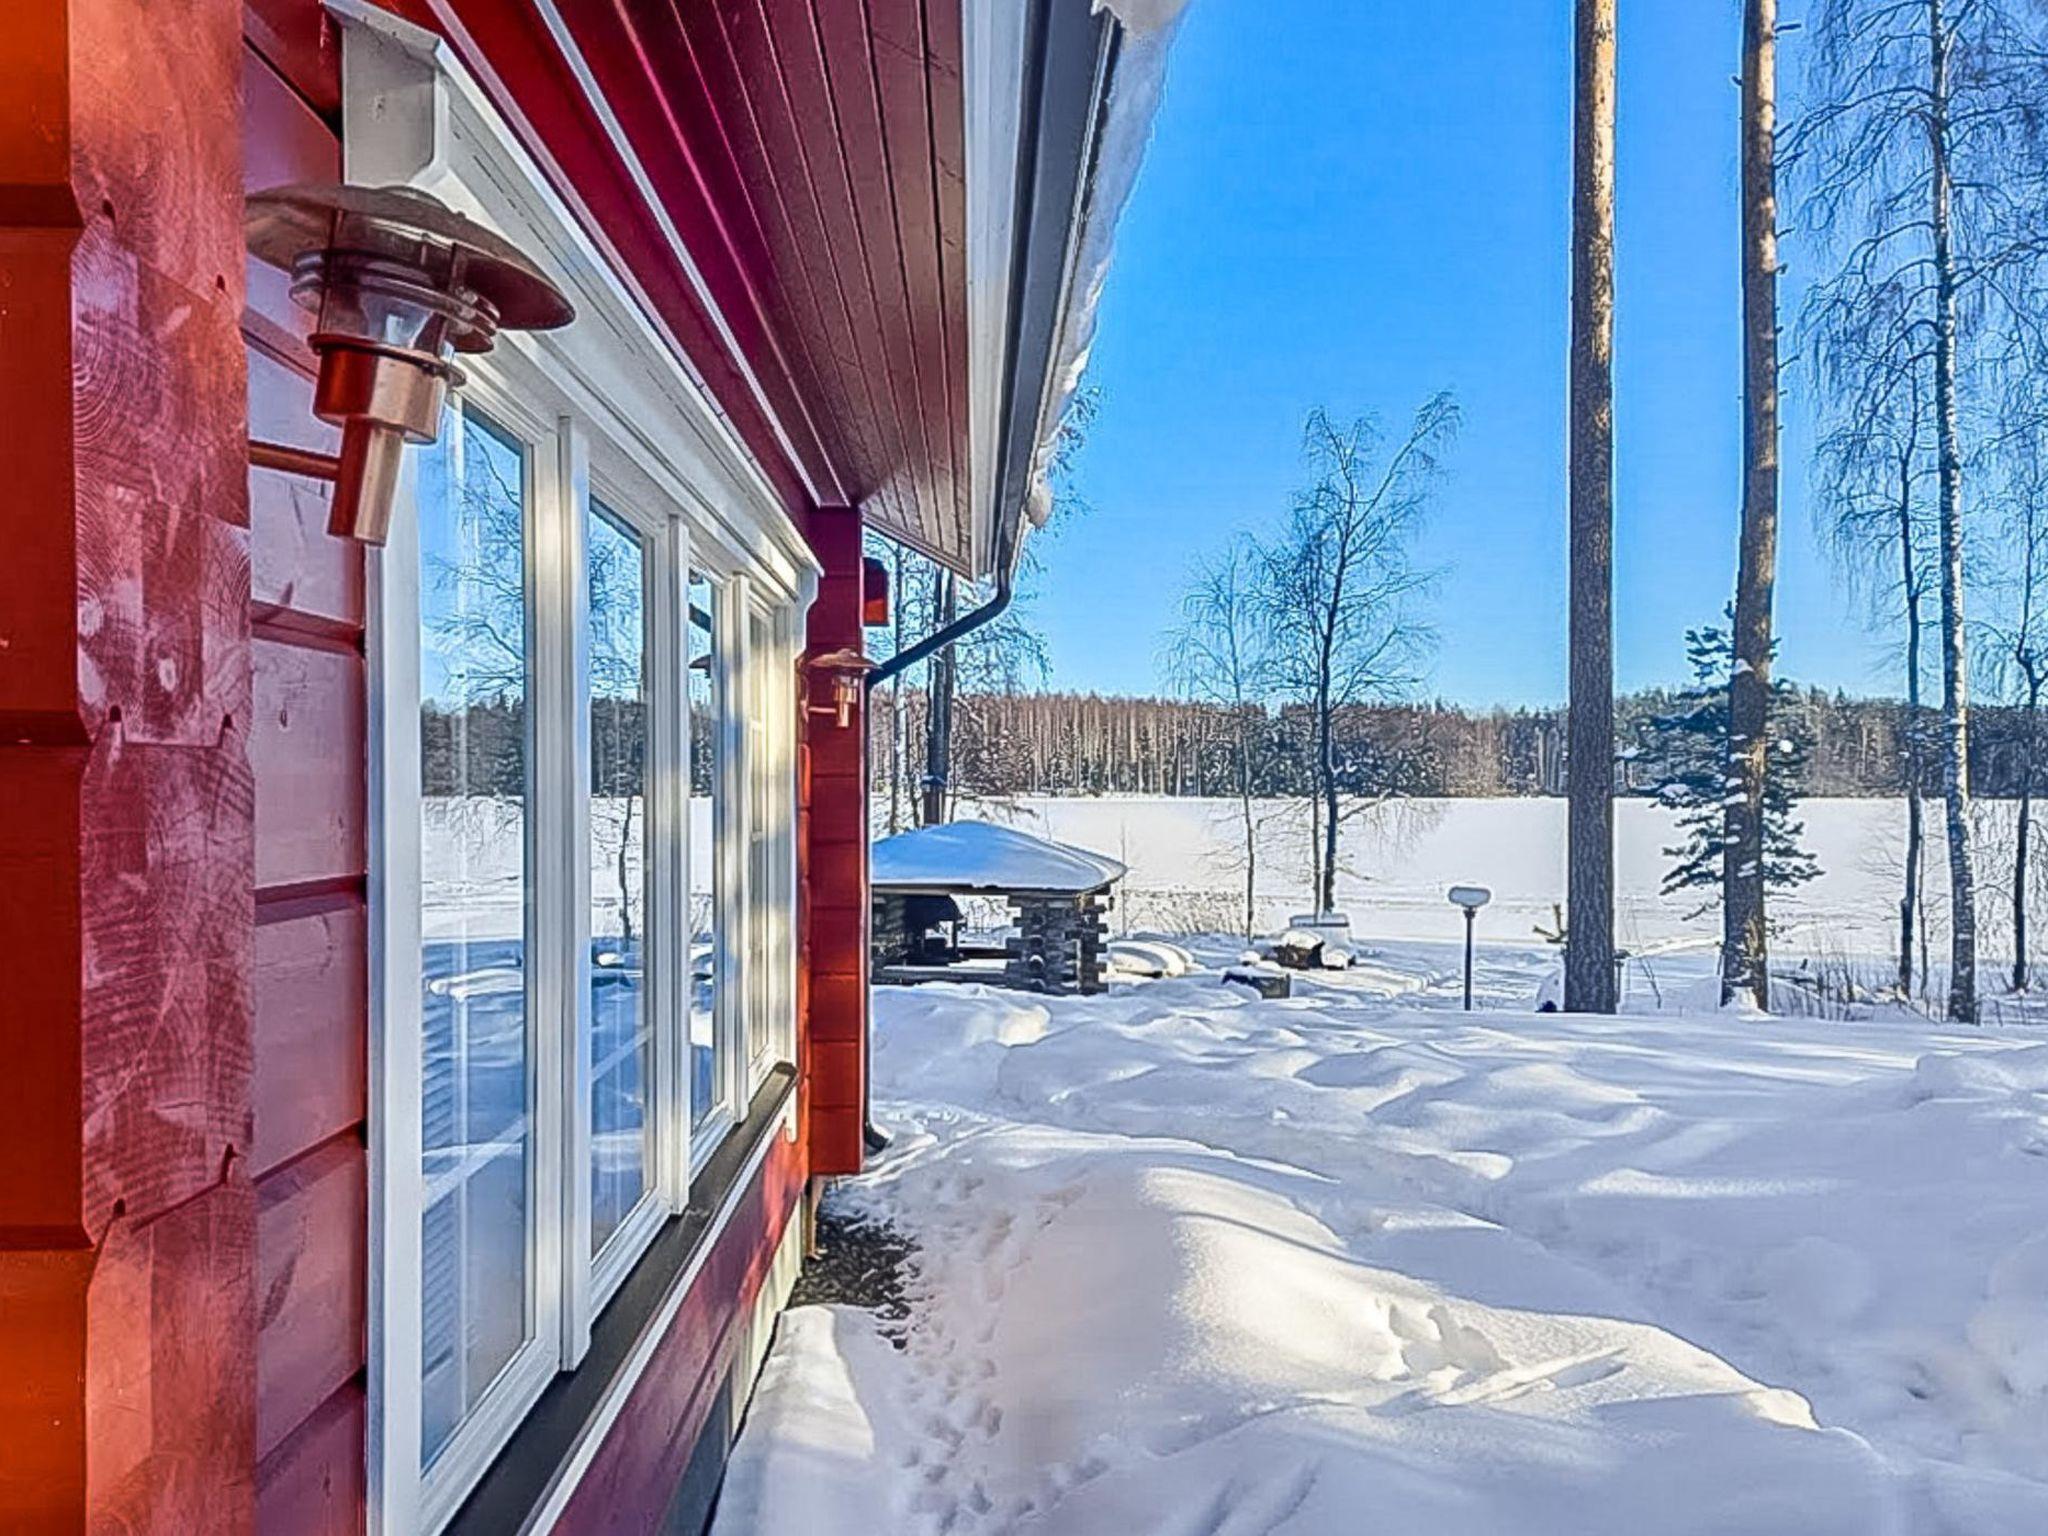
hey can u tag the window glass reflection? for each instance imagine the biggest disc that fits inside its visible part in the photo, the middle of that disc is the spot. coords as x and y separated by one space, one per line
622 1037
475 774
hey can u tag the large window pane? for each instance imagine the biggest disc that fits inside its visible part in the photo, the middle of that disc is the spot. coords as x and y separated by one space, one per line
476 919
622 1036
708 1072
763 833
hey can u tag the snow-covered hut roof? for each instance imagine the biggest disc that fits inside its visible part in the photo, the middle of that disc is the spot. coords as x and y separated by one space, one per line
966 856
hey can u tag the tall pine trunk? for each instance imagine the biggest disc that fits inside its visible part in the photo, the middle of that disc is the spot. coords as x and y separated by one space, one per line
1955 685
899 728
938 705
1589 978
1745 968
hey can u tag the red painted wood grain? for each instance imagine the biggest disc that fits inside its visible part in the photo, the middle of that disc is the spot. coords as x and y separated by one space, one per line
169 1426
311 1008
124 697
310 948
312 1221
307 744
313 1483
833 873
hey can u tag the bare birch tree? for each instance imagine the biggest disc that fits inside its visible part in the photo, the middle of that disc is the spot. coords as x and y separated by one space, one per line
1745 931
1874 472
1336 586
938 716
1926 150
1590 983
1217 655
2016 638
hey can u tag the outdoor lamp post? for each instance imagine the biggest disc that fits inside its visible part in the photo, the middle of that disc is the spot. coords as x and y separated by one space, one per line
1471 898
400 282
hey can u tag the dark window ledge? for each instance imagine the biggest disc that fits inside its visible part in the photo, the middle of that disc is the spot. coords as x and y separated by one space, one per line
525 1471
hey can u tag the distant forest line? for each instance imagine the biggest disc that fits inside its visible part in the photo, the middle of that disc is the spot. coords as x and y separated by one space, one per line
1090 744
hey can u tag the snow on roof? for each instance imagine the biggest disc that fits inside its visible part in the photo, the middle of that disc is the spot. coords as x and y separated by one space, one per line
978 856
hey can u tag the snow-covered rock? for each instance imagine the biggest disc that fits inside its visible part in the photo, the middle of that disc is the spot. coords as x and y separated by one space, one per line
1152 958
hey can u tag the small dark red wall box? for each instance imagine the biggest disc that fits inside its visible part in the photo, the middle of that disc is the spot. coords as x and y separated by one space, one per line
875 593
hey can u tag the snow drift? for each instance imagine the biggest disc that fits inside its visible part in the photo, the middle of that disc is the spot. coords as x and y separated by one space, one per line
1204 1265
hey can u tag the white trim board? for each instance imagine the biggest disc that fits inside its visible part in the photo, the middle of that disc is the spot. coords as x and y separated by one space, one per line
992 91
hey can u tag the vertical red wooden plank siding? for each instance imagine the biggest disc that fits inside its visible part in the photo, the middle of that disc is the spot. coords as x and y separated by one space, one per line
650 92
909 88
124 706
834 869
846 51
773 184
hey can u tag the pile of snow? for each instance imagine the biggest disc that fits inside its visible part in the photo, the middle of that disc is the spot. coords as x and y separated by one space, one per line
978 856
1151 958
1190 1261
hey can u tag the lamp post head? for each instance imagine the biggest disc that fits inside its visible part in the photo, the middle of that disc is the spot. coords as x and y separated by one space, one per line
1470 897
400 283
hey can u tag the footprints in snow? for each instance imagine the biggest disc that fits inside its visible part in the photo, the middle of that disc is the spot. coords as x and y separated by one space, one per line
953 1369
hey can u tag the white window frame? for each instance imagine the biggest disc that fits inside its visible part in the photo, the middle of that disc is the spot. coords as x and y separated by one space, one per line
609 406
728 866
771 770
664 947
397 1070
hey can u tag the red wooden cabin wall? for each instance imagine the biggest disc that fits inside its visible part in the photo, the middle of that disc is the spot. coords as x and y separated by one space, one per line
126 1210
183 1205
833 837
308 748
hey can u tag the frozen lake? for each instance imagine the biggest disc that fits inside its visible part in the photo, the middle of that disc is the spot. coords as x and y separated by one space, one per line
1397 860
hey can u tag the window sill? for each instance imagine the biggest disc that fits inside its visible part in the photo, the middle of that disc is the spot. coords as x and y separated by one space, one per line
556 1440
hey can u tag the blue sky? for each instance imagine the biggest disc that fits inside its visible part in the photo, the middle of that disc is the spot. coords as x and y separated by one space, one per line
1352 205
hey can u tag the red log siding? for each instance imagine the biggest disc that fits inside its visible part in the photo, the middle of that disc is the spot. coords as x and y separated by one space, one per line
126 1215
311 990
634 1474
314 1484
833 836
182 1181
312 1219
307 745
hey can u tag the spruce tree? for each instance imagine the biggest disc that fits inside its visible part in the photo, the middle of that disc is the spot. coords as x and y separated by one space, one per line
1685 753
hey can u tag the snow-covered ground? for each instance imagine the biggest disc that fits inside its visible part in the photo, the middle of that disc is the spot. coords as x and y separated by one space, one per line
1196 1264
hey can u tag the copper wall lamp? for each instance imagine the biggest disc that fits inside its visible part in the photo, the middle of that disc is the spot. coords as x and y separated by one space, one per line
400 283
844 668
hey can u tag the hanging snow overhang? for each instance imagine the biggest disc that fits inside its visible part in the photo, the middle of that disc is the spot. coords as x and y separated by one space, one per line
1053 150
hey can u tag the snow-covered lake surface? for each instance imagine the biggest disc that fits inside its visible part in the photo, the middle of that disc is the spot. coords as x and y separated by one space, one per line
1396 860
1197 1264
